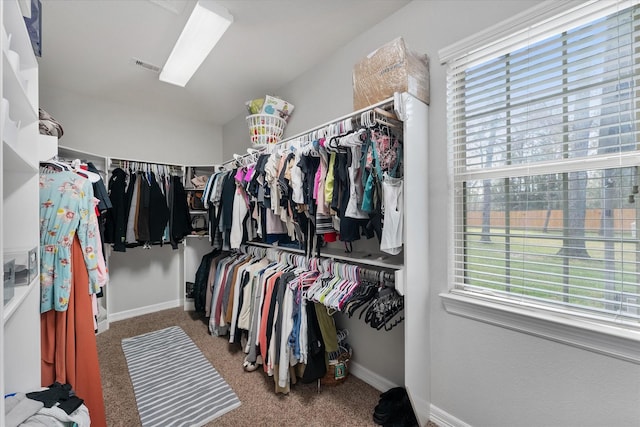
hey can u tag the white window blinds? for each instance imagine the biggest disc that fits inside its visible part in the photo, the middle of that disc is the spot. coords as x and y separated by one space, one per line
543 137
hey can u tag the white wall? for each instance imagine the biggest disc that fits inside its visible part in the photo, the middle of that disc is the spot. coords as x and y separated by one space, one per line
480 375
144 281
116 130
141 280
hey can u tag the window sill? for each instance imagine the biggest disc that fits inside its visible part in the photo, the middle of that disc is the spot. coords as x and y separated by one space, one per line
609 339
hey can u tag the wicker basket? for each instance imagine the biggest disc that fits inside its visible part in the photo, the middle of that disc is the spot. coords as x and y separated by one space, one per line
265 128
337 371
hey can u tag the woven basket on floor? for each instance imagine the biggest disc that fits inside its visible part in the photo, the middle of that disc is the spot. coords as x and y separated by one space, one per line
338 370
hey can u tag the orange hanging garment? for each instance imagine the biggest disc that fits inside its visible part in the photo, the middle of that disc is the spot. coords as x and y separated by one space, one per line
69 348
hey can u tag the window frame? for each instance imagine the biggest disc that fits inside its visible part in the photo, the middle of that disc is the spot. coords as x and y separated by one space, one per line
602 336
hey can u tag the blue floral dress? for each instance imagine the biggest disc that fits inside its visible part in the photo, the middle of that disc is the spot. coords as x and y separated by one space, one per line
66 209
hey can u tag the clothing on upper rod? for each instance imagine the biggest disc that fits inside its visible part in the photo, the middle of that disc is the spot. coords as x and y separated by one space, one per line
149 206
331 186
101 204
83 168
68 209
89 171
379 114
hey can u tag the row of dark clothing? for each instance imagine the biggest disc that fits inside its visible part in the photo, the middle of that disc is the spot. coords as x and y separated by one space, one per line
280 314
331 187
146 210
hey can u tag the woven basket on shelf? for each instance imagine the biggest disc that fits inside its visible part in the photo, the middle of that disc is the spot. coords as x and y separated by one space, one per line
265 128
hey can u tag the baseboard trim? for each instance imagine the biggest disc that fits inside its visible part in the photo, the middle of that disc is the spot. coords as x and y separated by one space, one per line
189 305
425 411
103 325
445 419
127 314
368 376
421 408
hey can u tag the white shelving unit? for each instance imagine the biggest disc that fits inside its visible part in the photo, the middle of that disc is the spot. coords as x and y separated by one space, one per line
196 246
191 190
411 266
19 205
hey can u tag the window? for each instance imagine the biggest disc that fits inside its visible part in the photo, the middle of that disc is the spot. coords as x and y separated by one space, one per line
544 145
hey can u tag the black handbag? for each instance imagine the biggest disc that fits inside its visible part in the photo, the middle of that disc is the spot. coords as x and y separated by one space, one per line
199 222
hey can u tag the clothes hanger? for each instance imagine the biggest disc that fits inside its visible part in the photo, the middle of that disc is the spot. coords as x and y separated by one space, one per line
253 154
56 165
385 117
77 167
237 160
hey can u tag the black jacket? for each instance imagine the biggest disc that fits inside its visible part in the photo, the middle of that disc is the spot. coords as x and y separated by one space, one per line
179 219
116 222
158 211
200 283
316 360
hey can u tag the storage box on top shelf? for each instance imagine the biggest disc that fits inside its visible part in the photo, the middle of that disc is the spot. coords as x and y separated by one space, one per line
388 69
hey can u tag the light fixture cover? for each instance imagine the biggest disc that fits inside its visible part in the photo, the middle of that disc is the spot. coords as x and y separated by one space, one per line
203 30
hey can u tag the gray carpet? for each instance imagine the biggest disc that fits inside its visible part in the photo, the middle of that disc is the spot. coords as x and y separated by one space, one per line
173 382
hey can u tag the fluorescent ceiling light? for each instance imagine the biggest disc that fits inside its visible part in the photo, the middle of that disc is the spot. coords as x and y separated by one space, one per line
205 27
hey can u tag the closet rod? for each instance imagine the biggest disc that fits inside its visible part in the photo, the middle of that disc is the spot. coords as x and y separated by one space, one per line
384 104
388 275
149 162
110 161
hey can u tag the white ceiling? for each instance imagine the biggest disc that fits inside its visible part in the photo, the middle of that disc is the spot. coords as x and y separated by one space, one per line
88 46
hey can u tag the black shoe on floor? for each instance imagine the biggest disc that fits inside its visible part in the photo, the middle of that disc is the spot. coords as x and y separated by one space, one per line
391 407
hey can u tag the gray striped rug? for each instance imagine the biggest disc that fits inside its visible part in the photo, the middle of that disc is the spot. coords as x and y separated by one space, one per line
174 384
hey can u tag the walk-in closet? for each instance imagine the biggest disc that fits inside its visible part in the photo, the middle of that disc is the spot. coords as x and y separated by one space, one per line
344 212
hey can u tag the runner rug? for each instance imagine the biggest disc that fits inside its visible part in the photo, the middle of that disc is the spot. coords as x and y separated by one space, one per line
174 384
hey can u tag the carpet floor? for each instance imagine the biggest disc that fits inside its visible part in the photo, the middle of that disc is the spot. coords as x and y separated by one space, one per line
348 404
173 382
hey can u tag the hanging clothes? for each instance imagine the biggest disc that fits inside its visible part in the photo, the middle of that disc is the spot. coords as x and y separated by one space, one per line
179 218
227 196
66 211
99 190
140 214
101 194
70 277
158 211
68 343
116 221
393 207
200 283
133 190
268 302
214 206
240 210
